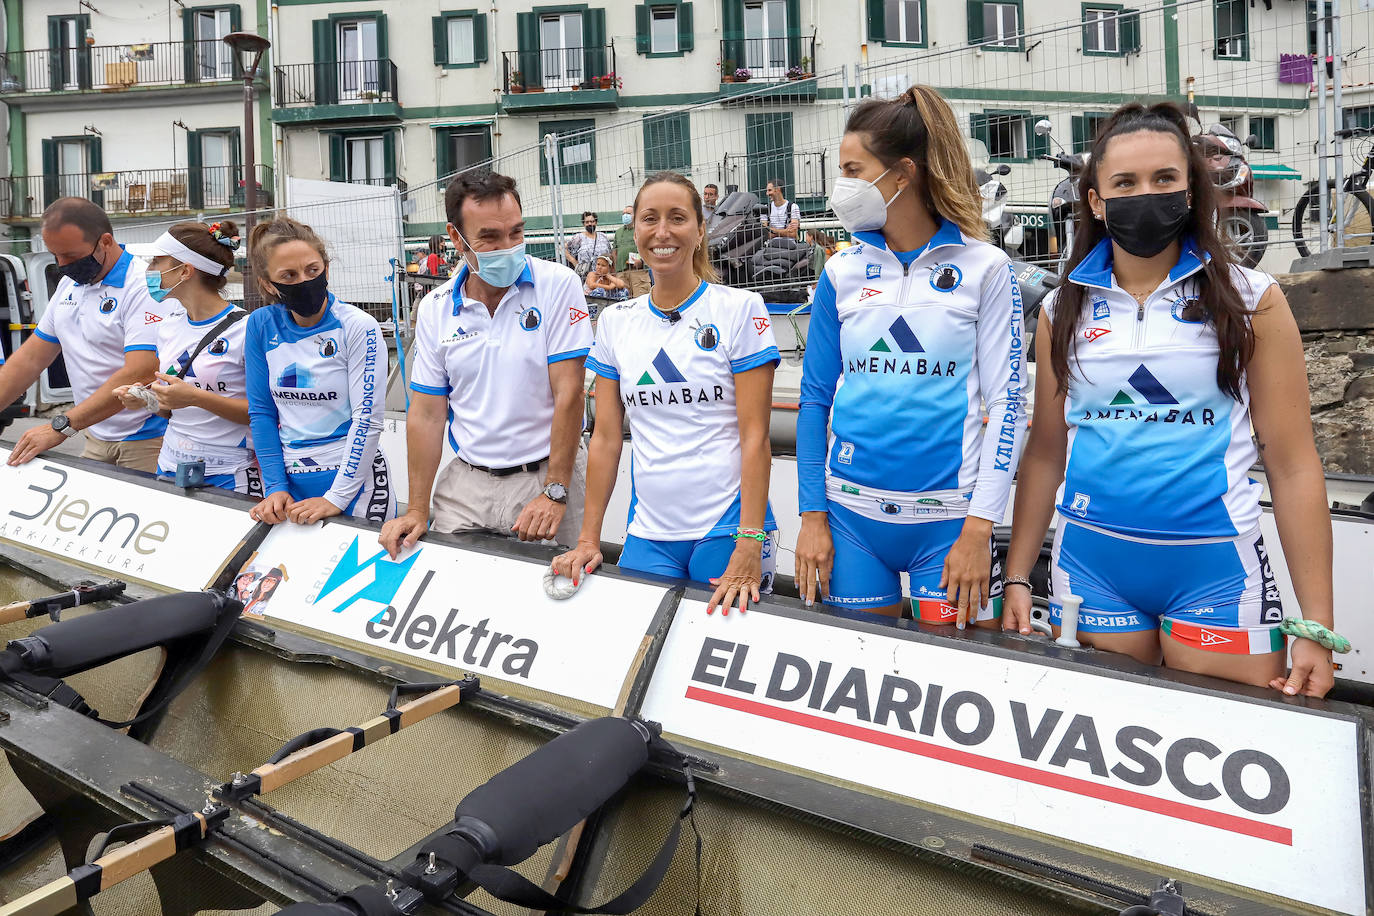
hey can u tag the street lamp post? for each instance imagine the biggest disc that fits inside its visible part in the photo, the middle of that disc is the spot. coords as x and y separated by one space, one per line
248 48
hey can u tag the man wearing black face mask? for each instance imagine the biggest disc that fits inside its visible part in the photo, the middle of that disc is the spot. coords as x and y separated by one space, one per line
105 323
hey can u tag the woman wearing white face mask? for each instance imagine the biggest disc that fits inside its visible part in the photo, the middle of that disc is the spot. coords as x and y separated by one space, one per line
913 330
201 388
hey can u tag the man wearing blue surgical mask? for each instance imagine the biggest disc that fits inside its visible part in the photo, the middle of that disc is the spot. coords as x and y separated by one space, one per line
498 360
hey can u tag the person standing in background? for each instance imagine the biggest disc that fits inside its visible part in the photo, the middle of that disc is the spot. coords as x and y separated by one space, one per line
104 323
583 248
709 195
624 241
784 217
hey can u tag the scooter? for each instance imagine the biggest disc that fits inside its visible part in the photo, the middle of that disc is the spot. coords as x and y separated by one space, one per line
735 235
1064 198
1003 231
1240 217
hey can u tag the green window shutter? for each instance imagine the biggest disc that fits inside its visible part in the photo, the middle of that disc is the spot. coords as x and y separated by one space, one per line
195 177
527 40
49 171
95 162
667 144
975 21
877 20
642 45
479 38
794 53
326 69
83 56
686 28
338 168
55 55
768 145
236 25
732 31
389 157
594 35
439 25
189 47
1078 133
237 174
382 52
383 65
1130 31
443 152
1036 144
978 126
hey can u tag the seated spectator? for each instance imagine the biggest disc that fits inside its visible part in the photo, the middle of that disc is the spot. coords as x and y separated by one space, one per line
603 284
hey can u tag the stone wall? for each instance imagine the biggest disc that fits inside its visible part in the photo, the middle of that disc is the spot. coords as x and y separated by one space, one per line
1335 312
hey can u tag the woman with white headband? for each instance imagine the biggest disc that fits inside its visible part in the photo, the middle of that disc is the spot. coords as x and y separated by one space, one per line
201 388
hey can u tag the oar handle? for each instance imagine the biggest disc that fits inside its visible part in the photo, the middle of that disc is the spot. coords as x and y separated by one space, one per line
11 613
82 594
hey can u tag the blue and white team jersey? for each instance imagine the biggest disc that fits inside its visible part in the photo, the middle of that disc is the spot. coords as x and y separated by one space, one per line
96 324
677 382
494 368
1156 448
194 433
902 354
315 399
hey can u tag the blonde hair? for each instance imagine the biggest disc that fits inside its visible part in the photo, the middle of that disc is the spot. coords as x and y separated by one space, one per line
701 257
266 236
919 125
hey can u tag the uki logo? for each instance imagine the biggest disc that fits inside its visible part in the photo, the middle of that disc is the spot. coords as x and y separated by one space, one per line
945 278
375 579
1145 385
869 293
1091 334
294 376
575 314
667 372
902 335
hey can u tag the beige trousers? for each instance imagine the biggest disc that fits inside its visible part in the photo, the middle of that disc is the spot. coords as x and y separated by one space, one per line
136 454
465 498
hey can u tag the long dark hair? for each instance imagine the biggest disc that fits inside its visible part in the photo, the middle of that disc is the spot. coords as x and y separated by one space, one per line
1218 297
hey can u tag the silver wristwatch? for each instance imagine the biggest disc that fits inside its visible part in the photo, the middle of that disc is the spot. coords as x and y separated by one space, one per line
64 426
556 492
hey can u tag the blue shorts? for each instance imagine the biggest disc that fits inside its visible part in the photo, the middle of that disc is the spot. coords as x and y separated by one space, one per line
701 560
870 557
375 502
1217 593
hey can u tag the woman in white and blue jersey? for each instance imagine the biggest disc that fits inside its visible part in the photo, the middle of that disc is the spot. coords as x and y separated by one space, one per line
691 365
915 337
316 386
1155 359
201 387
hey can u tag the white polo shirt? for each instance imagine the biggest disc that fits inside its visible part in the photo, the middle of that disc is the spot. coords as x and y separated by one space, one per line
494 368
677 382
96 324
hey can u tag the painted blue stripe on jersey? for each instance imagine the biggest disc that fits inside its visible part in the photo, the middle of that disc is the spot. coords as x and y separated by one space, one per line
132 347
667 372
568 354
1150 388
701 288
430 389
212 319
763 357
48 337
602 369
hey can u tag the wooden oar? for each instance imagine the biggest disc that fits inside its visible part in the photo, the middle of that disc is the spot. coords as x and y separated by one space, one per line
54 604
317 749
83 882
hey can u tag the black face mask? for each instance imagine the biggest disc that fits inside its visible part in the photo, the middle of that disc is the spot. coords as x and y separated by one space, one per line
82 270
305 298
1146 224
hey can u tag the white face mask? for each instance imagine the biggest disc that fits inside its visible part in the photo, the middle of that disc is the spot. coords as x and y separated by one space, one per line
859 205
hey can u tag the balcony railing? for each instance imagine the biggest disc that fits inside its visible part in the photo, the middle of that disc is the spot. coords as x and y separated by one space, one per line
334 82
135 192
108 68
767 59
558 69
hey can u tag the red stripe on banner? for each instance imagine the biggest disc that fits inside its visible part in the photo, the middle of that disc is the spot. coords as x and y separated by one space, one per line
1178 810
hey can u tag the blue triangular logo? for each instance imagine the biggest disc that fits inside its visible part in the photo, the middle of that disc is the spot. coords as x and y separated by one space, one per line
294 376
1149 387
906 340
666 370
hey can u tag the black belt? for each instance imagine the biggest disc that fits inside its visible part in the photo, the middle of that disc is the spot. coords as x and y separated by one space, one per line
506 472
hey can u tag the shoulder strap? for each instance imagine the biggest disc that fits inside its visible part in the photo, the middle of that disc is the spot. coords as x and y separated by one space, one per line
234 315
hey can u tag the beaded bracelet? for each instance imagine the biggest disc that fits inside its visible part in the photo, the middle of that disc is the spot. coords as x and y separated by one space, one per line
752 533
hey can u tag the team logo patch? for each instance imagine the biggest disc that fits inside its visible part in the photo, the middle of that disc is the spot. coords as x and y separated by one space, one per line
667 371
219 347
1188 310
107 305
928 501
890 508
846 455
761 325
1143 382
945 278
869 293
461 333
847 488
530 319
1094 333
575 314
1101 309
708 337
873 271
328 347
151 318
1079 506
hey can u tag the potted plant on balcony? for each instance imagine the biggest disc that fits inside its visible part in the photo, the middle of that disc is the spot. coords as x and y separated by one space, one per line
795 73
727 71
517 81
805 64
610 81
742 75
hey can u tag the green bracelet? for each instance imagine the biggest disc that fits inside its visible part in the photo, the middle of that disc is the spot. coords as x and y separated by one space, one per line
752 533
1310 629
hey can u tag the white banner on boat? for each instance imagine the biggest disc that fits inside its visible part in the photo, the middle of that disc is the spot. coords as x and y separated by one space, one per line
1254 794
473 611
115 526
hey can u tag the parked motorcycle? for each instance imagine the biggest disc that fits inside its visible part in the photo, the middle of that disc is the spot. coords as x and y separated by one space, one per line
1240 217
782 270
1064 197
1003 230
735 235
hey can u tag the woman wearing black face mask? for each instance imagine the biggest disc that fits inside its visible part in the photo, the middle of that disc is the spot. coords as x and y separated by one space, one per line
316 370
1160 355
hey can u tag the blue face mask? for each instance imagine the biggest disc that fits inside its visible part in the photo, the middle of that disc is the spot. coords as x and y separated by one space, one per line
625 219
154 281
499 269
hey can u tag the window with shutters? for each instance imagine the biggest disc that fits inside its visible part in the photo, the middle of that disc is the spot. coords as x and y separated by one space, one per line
576 151
667 143
1084 130
1101 30
1232 22
458 149
1359 116
362 156
1008 134
995 25
664 28
460 39
67 166
905 21
1312 27
69 60
1265 131
214 58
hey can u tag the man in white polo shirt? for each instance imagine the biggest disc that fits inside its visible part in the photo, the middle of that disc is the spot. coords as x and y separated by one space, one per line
104 323
499 354
784 217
